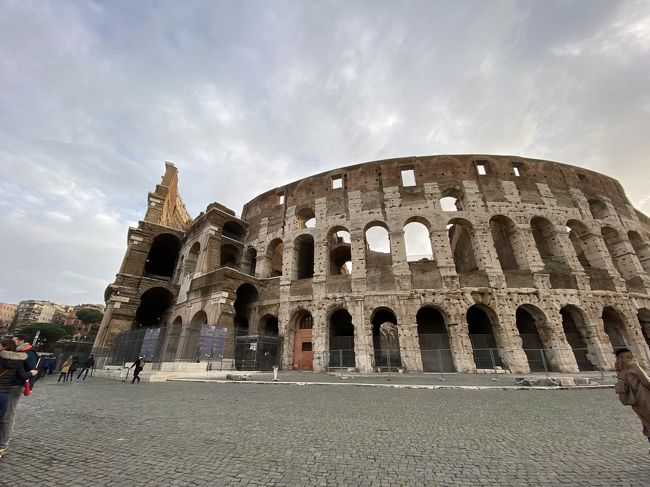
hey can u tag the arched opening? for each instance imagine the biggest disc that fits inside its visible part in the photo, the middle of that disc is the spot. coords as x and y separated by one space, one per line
234 230
269 325
249 262
616 250
530 321
480 323
434 341
550 250
191 351
417 241
275 253
641 249
451 200
303 354
377 246
171 343
340 251
644 320
504 233
614 327
305 218
245 301
229 255
154 303
341 332
577 233
461 241
304 250
385 337
162 256
598 209
192 260
573 324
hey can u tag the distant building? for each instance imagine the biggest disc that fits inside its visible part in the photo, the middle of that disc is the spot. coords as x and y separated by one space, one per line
83 331
7 315
35 311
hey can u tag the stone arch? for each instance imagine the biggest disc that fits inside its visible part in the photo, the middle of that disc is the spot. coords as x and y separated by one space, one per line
302 324
452 199
246 299
461 241
269 325
385 337
377 243
552 254
304 256
162 256
534 333
615 328
199 319
598 209
275 254
340 251
234 230
641 249
433 338
341 339
417 239
154 304
481 321
505 237
576 333
305 218
229 255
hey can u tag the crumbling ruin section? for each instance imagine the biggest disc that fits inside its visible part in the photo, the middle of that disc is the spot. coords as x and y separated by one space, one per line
437 263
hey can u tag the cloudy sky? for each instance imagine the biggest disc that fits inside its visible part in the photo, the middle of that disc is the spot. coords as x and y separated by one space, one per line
247 96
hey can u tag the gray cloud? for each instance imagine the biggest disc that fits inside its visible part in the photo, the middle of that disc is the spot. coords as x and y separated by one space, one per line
246 96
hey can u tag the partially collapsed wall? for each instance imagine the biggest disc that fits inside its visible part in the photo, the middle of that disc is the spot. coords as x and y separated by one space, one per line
434 263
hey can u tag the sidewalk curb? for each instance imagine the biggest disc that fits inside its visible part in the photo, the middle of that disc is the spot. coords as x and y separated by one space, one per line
397 386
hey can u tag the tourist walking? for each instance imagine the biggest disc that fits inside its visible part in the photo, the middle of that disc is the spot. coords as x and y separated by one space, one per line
31 363
12 384
635 387
65 370
73 367
139 365
88 365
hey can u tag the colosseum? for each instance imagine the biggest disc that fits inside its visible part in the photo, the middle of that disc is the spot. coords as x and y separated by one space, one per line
460 263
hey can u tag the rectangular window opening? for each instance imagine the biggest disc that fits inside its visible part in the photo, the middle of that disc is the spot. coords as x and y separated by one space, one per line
480 169
408 177
306 346
280 198
337 182
516 172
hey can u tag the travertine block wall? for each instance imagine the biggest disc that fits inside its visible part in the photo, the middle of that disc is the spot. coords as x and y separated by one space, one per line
374 194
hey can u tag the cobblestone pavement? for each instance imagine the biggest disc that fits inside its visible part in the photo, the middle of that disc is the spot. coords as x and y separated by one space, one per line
104 432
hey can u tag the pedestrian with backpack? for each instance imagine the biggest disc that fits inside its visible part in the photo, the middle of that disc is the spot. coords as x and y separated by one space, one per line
139 365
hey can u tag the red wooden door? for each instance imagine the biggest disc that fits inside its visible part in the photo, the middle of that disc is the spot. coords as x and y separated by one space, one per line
303 355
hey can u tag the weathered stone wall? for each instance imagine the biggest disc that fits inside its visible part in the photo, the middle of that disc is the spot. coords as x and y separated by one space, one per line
505 250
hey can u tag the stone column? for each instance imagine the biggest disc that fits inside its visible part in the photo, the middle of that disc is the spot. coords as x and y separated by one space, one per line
461 346
564 242
527 246
509 343
100 339
486 255
401 269
358 252
363 347
444 258
556 347
408 337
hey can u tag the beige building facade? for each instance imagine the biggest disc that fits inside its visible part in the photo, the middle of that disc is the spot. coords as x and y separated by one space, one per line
436 263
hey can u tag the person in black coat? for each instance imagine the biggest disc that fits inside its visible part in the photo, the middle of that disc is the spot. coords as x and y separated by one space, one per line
73 367
88 365
12 382
139 365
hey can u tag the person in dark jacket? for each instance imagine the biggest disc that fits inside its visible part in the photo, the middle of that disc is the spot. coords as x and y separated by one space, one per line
73 367
88 365
31 363
139 365
12 382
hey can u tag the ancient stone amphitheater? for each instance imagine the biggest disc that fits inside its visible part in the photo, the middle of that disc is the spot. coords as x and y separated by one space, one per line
437 263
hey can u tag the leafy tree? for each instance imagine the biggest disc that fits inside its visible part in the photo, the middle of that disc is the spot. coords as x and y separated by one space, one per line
89 315
50 333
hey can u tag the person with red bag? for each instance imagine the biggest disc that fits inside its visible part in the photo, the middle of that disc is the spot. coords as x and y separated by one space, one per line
14 380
